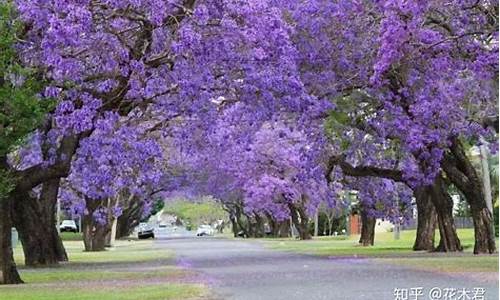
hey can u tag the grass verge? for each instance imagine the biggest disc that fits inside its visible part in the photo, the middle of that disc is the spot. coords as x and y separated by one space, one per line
71 236
130 270
149 292
388 250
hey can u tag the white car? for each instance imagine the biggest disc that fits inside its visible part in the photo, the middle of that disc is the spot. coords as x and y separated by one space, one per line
68 225
204 230
145 231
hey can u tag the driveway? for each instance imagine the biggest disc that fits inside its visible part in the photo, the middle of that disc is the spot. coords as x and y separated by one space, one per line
246 270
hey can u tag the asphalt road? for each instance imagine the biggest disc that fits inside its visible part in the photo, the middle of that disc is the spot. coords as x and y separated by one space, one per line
237 269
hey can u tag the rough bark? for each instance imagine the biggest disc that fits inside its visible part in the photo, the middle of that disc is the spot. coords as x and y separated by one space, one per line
40 173
112 203
440 198
252 230
35 221
26 180
233 209
130 218
221 227
258 227
300 220
243 226
361 171
426 220
283 229
94 234
8 269
234 225
449 241
464 176
367 237
278 228
111 236
273 225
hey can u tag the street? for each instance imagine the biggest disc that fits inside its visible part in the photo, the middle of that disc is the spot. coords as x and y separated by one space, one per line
244 269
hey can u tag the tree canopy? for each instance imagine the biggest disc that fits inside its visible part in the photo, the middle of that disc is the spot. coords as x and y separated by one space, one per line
275 106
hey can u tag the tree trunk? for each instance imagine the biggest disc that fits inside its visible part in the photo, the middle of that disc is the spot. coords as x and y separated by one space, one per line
129 219
252 229
464 176
111 236
273 225
279 229
367 237
234 226
113 203
220 228
8 269
484 235
449 241
284 229
259 227
94 234
300 221
36 223
124 227
316 225
426 220
241 224
330 224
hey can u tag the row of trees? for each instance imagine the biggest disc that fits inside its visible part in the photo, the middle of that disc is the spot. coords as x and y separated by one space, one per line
409 100
273 107
192 214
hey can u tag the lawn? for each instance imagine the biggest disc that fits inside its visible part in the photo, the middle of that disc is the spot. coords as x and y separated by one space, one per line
123 252
71 236
130 270
388 250
148 292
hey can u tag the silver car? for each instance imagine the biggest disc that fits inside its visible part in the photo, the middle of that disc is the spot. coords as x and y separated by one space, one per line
205 230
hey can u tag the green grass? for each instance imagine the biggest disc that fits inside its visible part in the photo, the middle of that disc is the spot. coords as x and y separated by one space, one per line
66 274
124 251
130 270
148 292
71 236
388 250
385 245
449 264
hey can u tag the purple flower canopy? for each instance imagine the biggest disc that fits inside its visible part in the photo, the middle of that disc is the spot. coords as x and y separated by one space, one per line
248 99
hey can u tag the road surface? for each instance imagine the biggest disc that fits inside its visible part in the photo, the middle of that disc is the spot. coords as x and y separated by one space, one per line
246 270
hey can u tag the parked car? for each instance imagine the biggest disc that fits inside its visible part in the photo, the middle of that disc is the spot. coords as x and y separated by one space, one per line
162 225
68 225
204 230
145 231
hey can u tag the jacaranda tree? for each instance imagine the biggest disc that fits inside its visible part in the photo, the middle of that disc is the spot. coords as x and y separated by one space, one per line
278 105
